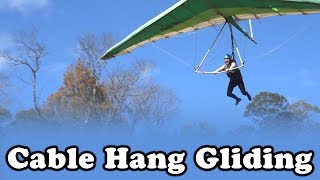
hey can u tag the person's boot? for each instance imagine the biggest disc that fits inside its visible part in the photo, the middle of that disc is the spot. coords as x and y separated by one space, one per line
249 97
238 101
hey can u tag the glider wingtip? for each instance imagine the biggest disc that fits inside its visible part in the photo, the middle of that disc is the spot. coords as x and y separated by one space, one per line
106 57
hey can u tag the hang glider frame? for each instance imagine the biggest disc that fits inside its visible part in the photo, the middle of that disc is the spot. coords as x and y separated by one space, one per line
231 22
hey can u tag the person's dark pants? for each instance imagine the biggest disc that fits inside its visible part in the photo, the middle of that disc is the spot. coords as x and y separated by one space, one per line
236 82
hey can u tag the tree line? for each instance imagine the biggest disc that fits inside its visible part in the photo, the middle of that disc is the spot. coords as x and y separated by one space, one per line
267 113
91 93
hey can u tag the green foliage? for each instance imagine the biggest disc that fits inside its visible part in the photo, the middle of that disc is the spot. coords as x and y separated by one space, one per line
302 109
271 111
4 114
266 105
25 118
26 115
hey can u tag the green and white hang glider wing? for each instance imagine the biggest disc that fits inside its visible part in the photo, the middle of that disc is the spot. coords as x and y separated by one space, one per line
189 15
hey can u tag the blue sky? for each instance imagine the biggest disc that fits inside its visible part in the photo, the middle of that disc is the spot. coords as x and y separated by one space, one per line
284 61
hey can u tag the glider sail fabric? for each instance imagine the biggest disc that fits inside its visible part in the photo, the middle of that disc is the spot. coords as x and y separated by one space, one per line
189 15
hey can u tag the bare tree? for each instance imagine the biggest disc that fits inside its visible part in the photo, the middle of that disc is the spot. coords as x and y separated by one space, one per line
122 85
136 97
30 54
90 48
154 104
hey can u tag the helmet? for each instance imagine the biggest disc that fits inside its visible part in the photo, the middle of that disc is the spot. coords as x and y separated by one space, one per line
227 56
227 59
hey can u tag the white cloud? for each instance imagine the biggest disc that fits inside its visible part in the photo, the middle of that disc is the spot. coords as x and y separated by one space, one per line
3 65
6 43
23 5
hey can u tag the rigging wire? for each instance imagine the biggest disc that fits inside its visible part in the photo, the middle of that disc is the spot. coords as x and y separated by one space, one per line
219 42
219 50
214 42
173 56
283 43
222 31
195 51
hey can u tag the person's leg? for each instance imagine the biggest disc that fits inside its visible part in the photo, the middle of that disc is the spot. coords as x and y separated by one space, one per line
243 89
231 86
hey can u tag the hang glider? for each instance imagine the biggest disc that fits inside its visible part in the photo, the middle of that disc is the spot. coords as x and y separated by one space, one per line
189 15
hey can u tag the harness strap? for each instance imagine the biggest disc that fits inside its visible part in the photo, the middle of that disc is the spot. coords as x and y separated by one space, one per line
234 46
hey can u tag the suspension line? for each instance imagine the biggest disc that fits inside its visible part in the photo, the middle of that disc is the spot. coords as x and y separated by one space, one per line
214 42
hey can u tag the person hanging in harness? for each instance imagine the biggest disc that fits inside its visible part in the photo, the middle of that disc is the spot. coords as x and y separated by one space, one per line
230 67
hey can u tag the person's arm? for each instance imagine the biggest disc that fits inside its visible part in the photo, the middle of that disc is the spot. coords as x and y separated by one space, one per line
219 70
232 66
